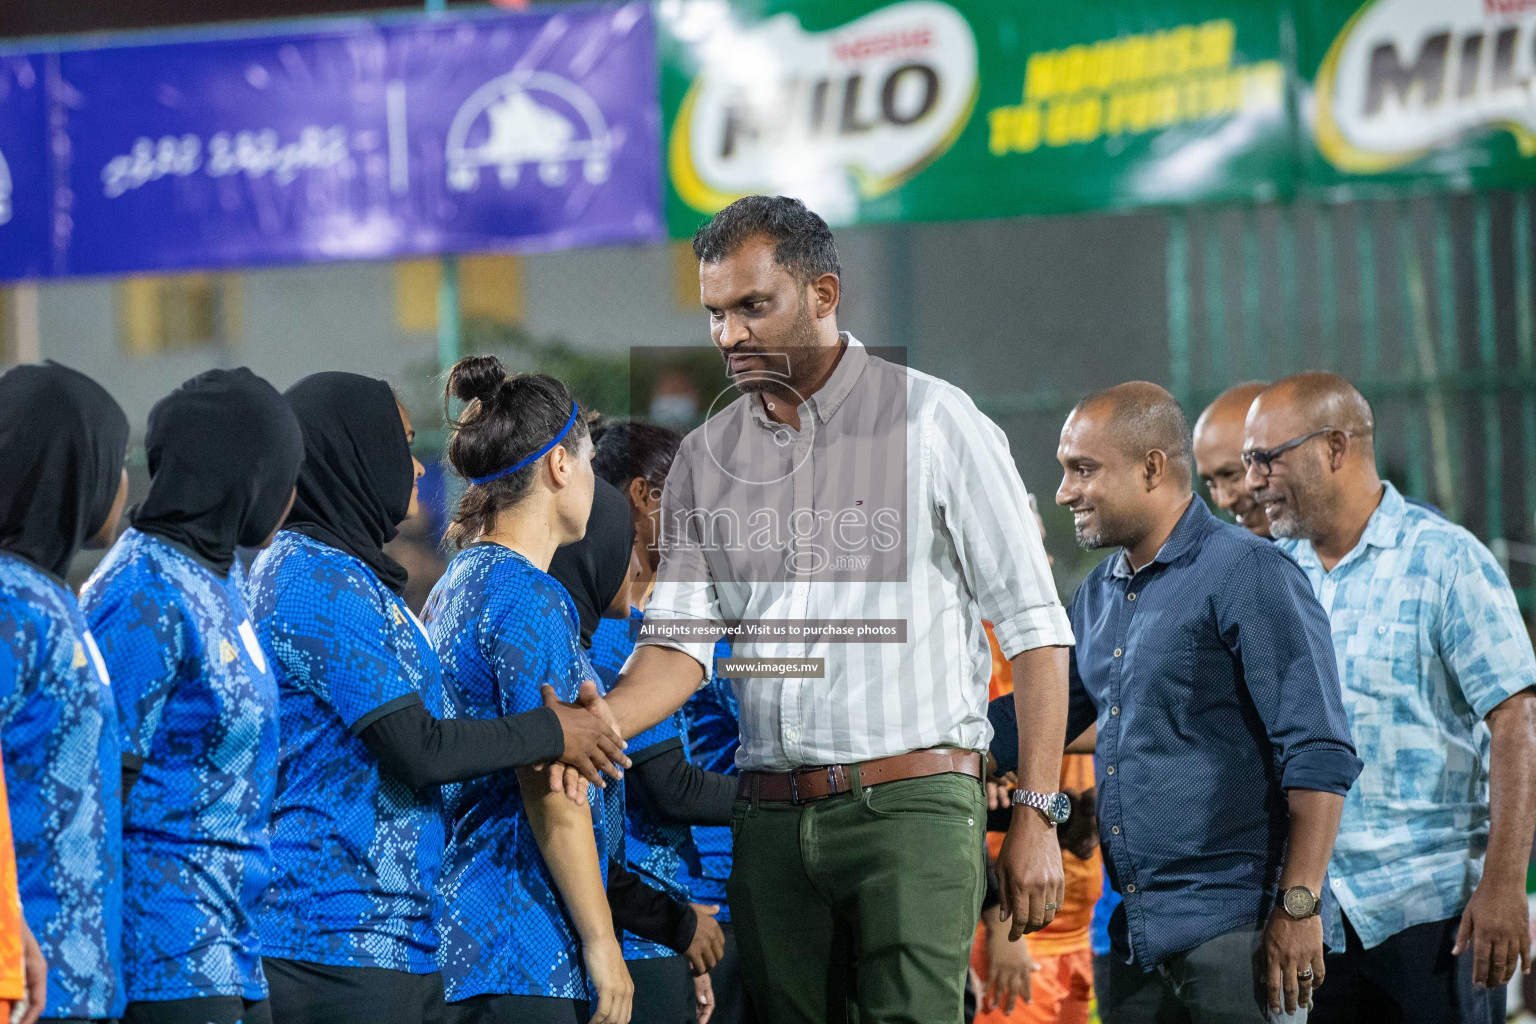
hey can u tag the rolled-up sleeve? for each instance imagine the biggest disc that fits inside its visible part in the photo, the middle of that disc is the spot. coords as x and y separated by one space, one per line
983 504
684 589
1270 619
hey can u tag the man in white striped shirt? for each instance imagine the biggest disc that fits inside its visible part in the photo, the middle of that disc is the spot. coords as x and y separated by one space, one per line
862 519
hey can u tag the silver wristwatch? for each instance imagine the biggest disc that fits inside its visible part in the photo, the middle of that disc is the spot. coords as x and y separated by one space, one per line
1054 807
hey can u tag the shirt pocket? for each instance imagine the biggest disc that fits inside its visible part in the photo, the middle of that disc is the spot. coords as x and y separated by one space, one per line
1381 662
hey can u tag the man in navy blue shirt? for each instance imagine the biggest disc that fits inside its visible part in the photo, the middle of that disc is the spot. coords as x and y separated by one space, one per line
1223 749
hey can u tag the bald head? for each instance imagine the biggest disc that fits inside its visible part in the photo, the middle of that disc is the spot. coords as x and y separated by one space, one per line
1317 400
1218 447
1140 417
1319 432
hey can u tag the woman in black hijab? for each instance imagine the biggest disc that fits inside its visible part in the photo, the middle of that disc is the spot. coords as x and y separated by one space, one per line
661 789
63 440
360 688
595 568
196 698
62 444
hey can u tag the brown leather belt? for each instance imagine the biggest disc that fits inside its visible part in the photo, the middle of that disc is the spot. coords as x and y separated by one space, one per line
818 782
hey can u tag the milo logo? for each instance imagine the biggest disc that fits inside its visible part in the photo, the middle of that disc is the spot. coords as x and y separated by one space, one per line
832 117
1407 76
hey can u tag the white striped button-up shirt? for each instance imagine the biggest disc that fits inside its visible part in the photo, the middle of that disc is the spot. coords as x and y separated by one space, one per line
896 500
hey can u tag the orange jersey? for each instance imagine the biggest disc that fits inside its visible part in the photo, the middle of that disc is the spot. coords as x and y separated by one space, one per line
12 982
1084 878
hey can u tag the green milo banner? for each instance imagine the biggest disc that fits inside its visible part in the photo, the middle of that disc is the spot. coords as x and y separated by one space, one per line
922 110
1406 92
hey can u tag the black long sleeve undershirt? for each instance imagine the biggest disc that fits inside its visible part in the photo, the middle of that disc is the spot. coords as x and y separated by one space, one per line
649 913
679 793
423 751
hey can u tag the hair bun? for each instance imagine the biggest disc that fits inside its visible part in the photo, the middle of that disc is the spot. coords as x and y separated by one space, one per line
476 377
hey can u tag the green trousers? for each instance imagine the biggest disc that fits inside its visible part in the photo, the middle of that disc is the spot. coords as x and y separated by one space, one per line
861 907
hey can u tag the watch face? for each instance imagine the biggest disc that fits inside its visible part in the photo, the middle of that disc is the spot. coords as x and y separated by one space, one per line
1061 808
1299 901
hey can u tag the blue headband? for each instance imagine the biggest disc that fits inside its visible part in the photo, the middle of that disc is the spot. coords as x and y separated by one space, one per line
535 457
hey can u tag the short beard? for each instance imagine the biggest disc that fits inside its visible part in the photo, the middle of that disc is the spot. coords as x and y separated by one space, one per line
1308 507
800 353
1108 534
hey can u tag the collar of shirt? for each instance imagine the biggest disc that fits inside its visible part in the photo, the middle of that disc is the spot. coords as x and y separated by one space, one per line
1384 529
1192 522
829 398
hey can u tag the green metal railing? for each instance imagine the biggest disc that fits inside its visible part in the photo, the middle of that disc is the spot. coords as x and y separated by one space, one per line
1448 360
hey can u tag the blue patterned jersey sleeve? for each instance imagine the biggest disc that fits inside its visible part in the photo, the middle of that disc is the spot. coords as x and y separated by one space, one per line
144 638
1482 639
337 641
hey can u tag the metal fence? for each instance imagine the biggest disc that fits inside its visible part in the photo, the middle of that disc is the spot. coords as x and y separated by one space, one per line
1424 302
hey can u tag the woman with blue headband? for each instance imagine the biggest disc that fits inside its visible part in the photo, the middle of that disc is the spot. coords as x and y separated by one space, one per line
527 935
349 927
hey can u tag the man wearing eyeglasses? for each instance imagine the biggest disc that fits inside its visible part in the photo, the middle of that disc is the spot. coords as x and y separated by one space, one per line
1431 649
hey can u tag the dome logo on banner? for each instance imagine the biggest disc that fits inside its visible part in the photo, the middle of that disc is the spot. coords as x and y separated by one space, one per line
528 120
1405 77
831 117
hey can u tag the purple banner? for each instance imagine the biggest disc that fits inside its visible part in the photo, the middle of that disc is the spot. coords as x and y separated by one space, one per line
364 140
24 186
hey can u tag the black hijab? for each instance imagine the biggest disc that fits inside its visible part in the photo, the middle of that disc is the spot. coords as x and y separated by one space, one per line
355 484
593 568
62 444
224 451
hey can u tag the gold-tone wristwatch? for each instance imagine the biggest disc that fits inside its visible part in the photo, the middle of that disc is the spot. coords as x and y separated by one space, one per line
1301 902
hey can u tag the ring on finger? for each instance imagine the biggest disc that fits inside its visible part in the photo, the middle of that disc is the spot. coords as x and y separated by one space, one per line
1305 974
1051 908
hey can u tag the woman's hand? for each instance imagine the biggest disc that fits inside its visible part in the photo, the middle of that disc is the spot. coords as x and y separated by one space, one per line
604 960
35 968
703 998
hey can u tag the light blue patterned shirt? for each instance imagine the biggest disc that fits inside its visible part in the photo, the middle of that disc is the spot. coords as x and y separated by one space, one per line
1429 640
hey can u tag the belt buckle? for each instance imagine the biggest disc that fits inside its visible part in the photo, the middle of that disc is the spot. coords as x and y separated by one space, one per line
832 771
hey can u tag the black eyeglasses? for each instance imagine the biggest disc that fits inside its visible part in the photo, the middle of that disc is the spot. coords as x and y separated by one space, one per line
1264 458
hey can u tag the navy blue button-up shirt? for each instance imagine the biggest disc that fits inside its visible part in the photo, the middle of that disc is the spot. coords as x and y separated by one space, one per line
1212 678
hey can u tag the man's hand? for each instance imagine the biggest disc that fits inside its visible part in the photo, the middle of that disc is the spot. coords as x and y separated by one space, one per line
1029 873
1010 969
1080 834
35 970
593 743
1290 948
708 944
1495 926
703 998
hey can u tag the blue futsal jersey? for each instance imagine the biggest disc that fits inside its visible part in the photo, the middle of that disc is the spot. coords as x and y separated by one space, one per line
355 851
653 850
502 627
58 727
197 701
713 734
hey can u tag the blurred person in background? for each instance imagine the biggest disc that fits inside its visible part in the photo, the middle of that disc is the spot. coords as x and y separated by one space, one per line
527 935
63 442
1218 448
1205 666
1437 669
349 926
1049 973
664 793
196 698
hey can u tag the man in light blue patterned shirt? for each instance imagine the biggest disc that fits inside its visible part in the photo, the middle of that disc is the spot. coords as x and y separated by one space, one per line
1437 672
